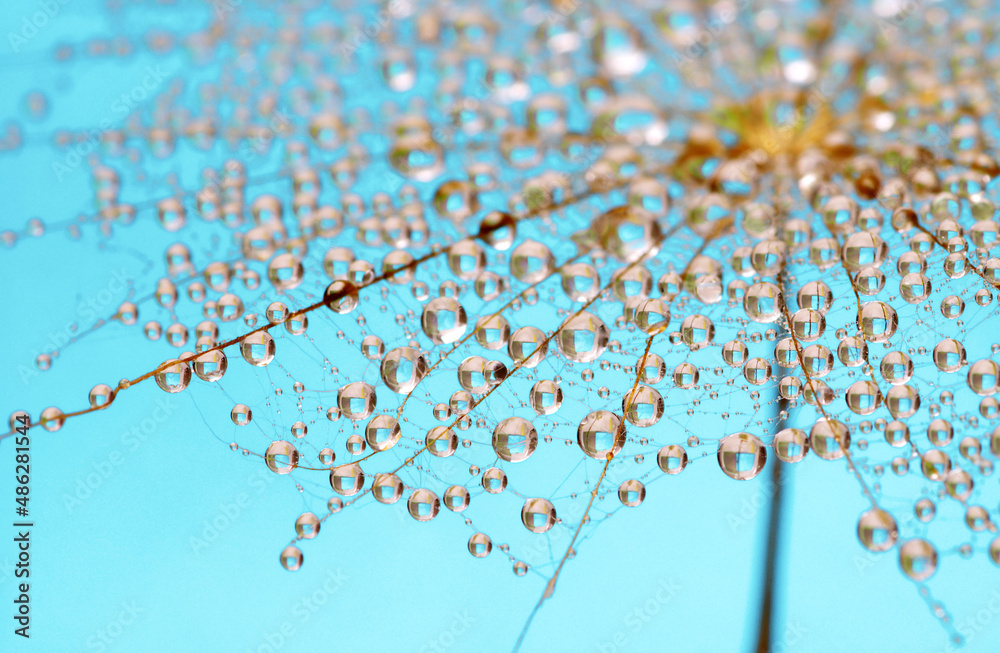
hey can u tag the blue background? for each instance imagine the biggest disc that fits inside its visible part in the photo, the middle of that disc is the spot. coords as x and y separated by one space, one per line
116 568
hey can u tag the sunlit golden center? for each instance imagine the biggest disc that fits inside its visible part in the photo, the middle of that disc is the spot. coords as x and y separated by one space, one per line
779 124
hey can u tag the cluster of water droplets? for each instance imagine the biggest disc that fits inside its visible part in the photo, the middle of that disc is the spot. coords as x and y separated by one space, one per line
529 261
